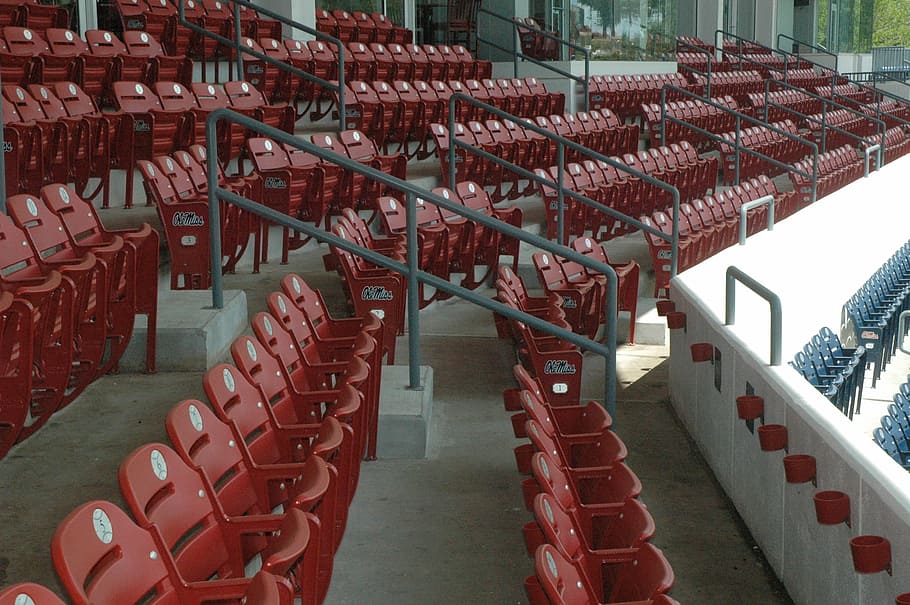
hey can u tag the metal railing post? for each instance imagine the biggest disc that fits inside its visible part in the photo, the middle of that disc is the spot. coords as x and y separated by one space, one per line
238 41
736 155
453 157
733 275
745 208
413 295
866 153
212 168
560 195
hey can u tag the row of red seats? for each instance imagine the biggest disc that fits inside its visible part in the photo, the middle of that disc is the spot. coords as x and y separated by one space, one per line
714 218
625 94
599 131
533 42
892 112
358 26
71 291
796 100
842 91
896 144
402 112
28 57
583 290
450 243
34 15
242 480
810 79
842 119
263 589
736 84
302 186
159 18
762 140
178 187
836 168
590 538
695 112
679 165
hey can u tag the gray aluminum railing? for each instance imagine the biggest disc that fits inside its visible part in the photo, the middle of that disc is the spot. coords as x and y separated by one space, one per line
825 103
218 194
562 191
739 117
239 49
734 275
516 53
799 44
879 95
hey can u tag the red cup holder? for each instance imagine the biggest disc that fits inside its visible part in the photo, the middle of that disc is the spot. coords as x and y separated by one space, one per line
832 507
871 554
676 320
523 455
750 407
772 437
799 468
664 307
518 425
902 599
702 351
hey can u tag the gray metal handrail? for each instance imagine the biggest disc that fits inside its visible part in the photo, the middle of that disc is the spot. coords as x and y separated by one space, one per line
739 149
767 200
799 43
866 153
239 49
735 274
516 53
825 102
562 144
878 102
218 194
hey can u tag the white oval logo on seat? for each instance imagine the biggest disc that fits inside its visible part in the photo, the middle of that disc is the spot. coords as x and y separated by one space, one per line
23 599
551 564
27 34
195 417
159 465
228 380
267 145
251 350
107 37
102 525
69 35
32 208
281 304
144 37
296 283
356 136
139 89
245 87
267 324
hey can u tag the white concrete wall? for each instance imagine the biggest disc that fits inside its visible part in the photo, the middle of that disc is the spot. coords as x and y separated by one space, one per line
805 260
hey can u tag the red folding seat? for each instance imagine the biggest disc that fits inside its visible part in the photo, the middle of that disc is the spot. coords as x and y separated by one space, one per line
455 68
185 230
26 593
262 74
278 85
642 579
362 56
219 19
303 90
244 486
692 227
161 489
492 243
422 68
100 66
365 111
88 277
41 17
469 165
21 63
230 137
439 67
248 100
146 129
581 297
61 63
405 69
366 28
11 13
326 23
627 275
17 321
386 32
371 289
345 26
366 150
324 65
433 239
99 537
517 102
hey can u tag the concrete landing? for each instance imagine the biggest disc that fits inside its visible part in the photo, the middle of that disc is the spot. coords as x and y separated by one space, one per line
192 336
404 414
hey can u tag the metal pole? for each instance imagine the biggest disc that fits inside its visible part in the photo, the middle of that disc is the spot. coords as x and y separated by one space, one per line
560 197
211 160
452 156
237 36
413 296
736 155
517 47
610 341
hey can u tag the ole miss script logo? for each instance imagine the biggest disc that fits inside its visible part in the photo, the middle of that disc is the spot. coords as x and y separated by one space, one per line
375 293
187 219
